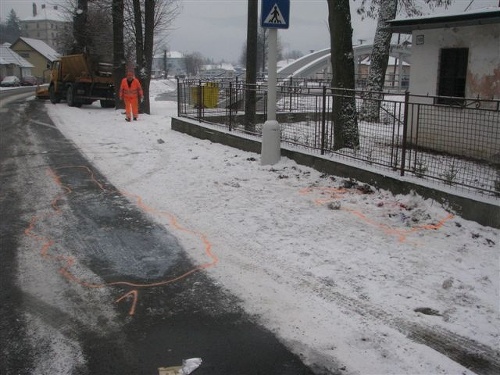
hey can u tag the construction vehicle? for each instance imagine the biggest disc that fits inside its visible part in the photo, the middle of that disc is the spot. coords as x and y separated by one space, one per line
82 79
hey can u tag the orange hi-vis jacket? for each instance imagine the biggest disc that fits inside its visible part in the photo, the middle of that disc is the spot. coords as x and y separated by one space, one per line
132 90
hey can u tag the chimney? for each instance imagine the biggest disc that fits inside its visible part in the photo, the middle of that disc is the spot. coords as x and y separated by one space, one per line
43 6
55 7
34 10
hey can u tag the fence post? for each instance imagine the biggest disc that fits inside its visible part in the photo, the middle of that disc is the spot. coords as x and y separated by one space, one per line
179 97
405 129
323 122
230 106
200 100
236 93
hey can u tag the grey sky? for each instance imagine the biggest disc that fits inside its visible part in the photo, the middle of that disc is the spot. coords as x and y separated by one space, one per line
217 28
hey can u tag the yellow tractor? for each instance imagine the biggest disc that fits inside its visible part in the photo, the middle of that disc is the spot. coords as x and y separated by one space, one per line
80 79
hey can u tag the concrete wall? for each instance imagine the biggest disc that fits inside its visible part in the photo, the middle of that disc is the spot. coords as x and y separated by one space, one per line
470 209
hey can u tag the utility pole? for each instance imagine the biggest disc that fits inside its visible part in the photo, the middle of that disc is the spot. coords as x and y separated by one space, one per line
251 65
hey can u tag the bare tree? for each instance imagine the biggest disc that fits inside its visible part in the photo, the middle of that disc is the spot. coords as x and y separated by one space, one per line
80 35
261 50
379 60
385 10
144 21
118 47
294 54
11 30
92 27
346 133
194 62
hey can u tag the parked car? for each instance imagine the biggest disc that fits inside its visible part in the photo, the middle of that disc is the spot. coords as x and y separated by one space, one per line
29 81
10 81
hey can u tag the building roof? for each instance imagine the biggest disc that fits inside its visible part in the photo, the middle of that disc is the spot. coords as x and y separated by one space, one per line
41 47
7 56
221 66
46 13
476 17
174 55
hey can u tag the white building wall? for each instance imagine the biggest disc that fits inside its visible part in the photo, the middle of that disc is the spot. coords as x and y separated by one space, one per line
468 132
483 75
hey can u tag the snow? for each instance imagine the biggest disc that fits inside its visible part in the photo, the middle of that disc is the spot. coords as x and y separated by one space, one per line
335 272
41 47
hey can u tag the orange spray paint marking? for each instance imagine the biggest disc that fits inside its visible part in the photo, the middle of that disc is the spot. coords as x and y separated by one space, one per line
173 221
338 193
134 295
67 261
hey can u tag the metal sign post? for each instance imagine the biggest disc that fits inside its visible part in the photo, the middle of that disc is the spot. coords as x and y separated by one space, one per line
274 15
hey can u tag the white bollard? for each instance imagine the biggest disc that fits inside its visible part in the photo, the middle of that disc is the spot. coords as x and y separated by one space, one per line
271 138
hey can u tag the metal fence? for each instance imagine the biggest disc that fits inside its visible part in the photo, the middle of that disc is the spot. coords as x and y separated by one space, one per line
457 145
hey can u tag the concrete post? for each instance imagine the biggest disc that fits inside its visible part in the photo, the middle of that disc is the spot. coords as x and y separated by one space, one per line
271 134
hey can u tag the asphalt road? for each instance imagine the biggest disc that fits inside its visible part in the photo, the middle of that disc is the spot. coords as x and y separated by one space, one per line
91 286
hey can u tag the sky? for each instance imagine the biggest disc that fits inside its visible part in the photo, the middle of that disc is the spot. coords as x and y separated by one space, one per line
217 28
343 278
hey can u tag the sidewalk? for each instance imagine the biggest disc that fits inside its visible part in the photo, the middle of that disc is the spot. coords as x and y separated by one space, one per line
342 273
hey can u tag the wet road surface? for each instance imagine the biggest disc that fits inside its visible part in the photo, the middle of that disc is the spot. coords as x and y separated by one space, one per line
91 285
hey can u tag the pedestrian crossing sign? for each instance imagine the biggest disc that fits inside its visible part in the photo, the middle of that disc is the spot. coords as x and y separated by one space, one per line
275 14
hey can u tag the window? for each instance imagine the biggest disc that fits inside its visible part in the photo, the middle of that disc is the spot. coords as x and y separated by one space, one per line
452 74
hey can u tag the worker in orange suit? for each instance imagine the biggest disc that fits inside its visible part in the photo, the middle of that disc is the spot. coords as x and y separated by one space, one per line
131 92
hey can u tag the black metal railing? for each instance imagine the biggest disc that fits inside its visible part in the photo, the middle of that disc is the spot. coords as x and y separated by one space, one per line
458 145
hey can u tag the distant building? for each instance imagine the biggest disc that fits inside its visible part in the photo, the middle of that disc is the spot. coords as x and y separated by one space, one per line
222 70
11 64
47 24
38 53
171 63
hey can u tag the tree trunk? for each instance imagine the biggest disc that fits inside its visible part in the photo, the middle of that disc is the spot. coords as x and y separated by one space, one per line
139 43
144 47
149 27
80 33
378 61
345 133
251 65
118 49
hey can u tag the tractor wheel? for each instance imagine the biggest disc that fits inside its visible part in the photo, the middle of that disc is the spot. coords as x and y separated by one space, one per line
70 97
54 98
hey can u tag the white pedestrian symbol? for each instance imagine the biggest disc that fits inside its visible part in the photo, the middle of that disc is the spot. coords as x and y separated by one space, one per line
275 16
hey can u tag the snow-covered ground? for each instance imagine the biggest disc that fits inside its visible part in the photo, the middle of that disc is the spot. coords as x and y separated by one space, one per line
353 279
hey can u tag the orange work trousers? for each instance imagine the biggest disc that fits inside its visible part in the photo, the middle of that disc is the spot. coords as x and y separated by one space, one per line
131 106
